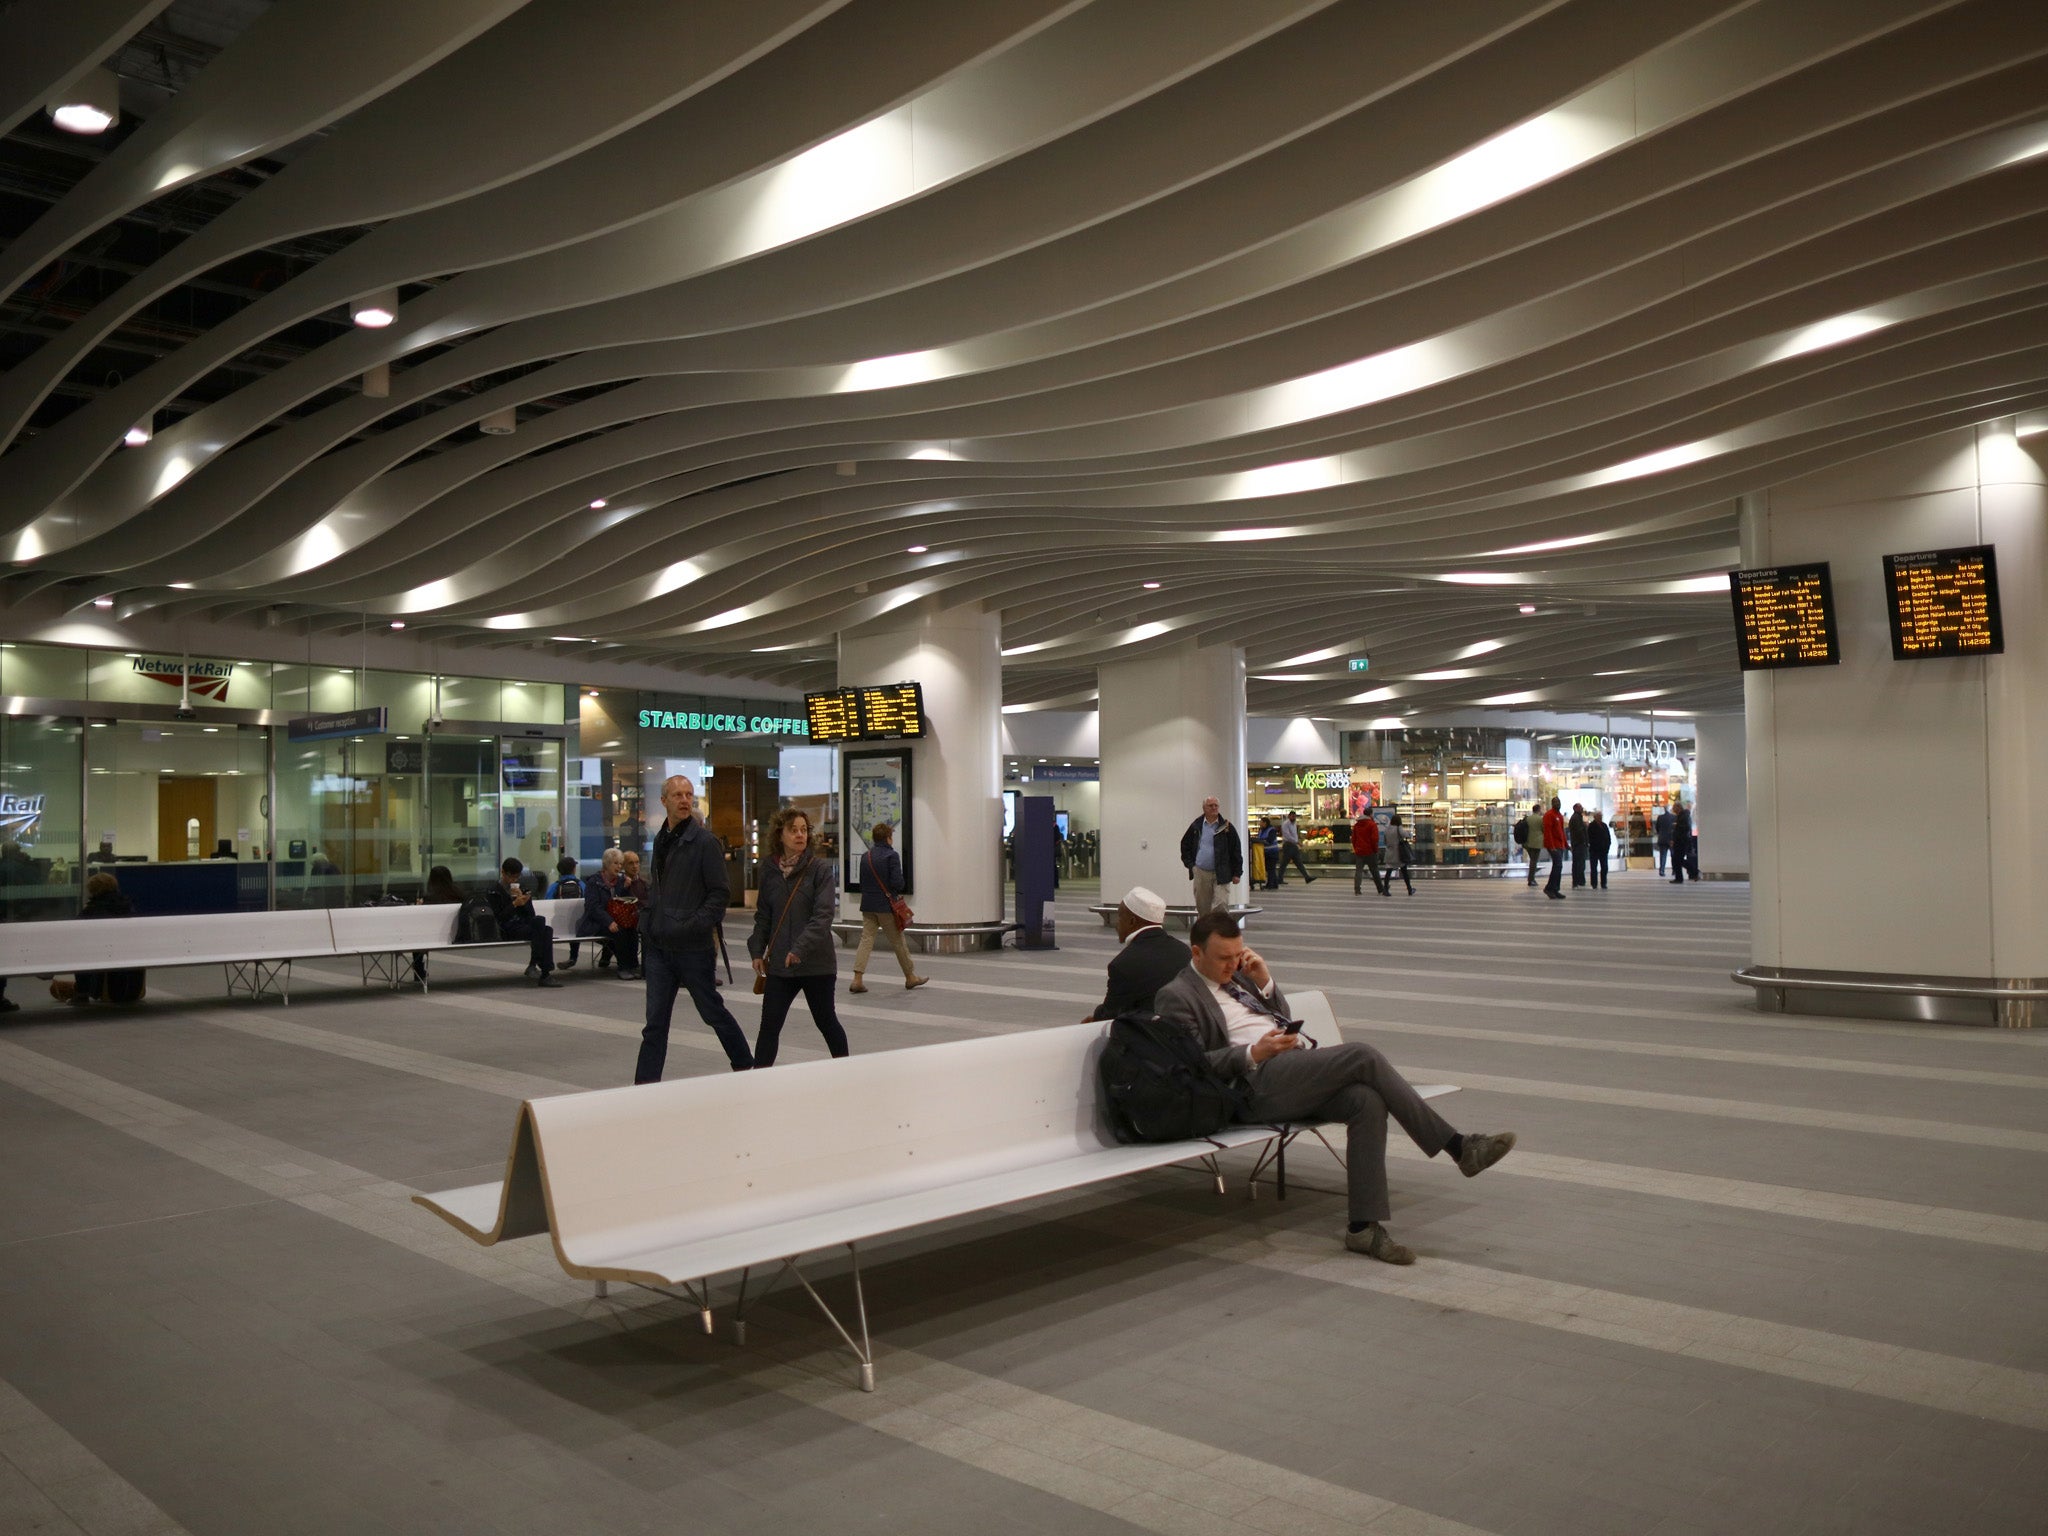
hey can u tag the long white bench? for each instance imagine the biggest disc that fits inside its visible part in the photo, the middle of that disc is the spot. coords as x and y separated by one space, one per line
671 1184
254 949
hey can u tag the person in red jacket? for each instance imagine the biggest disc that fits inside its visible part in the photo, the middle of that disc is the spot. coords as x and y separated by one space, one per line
1365 852
1554 844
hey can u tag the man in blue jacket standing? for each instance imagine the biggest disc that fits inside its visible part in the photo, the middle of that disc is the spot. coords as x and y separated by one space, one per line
686 900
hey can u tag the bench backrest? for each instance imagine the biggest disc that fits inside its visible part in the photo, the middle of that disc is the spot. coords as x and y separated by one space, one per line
695 1158
113 943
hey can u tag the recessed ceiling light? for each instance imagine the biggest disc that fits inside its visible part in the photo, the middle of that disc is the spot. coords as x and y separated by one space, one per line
88 104
398 623
374 311
599 505
1151 586
1528 608
136 435
918 549
103 602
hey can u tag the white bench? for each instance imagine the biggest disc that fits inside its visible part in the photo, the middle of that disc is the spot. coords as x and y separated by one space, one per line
254 949
384 939
671 1184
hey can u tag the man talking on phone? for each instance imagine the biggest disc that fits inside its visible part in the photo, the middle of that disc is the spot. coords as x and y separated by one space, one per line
1238 1012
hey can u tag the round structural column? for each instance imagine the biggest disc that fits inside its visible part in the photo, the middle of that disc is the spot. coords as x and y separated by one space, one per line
954 849
1172 733
1899 831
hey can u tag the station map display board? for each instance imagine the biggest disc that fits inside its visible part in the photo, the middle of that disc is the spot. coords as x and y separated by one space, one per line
878 712
1944 602
1785 617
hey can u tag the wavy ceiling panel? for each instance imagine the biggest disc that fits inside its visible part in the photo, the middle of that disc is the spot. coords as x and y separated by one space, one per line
1453 334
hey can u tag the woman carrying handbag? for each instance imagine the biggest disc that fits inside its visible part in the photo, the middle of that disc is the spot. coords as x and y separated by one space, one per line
792 938
882 907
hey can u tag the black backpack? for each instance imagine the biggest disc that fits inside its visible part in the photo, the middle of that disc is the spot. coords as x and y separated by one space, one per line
568 886
1522 833
1158 1084
475 922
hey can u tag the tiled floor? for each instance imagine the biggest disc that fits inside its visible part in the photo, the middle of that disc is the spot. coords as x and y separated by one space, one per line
1744 1273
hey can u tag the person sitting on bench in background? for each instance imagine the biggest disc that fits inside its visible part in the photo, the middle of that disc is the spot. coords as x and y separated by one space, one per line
103 898
512 905
1238 1012
1149 959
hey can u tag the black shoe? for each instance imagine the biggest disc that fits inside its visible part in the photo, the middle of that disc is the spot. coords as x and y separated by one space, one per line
9 1005
532 970
547 979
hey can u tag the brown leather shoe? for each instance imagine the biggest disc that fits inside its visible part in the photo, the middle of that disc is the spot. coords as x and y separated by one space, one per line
858 985
915 981
1483 1151
1374 1243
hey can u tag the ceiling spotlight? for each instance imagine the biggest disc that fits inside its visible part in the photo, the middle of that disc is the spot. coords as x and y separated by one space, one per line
1151 586
599 505
1528 608
138 434
500 423
917 549
398 623
374 311
88 104
103 602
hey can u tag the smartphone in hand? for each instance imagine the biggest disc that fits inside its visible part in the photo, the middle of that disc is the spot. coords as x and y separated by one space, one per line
1290 1026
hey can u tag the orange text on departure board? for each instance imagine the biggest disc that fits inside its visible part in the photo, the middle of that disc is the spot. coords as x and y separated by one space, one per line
1944 603
1785 616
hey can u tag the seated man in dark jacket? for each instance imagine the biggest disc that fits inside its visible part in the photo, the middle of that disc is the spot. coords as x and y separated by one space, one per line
1150 958
1238 1013
512 905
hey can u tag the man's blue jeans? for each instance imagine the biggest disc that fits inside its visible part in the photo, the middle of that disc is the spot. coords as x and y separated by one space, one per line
695 971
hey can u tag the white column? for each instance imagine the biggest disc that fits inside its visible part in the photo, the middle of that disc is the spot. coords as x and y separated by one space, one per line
1897 815
1172 732
956 813
1720 814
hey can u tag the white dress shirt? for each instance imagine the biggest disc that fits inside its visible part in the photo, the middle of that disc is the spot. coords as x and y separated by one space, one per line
1246 1026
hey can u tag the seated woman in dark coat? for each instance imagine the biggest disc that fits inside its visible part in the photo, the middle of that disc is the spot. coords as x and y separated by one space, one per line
103 898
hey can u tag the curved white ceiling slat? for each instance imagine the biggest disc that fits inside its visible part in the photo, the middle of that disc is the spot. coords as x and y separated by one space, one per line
50 43
1424 314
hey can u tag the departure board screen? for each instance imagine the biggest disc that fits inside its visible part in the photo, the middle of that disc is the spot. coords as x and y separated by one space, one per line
833 715
1784 617
1944 602
892 710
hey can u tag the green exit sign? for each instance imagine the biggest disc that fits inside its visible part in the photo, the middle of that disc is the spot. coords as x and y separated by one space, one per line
1359 663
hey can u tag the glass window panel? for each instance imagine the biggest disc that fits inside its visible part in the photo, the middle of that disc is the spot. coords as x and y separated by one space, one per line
531 703
470 698
529 806
40 874
176 811
461 801
43 671
409 696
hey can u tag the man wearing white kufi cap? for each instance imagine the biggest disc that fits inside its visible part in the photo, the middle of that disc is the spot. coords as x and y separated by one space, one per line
1150 958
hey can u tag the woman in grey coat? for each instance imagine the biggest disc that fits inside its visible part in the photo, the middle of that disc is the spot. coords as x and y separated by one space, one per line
792 938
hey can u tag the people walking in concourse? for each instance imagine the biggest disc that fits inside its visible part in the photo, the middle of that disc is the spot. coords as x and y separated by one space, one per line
679 917
1365 853
1554 843
792 939
1290 850
1664 823
1685 858
1529 835
881 883
1149 958
1400 855
1599 838
1575 841
1229 998
1212 852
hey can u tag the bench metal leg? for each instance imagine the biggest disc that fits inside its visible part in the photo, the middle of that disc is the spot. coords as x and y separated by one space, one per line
696 1292
1273 1155
603 1289
864 1350
1215 1170
393 968
260 978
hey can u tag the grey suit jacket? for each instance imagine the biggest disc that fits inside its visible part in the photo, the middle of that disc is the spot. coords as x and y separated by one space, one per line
1186 1000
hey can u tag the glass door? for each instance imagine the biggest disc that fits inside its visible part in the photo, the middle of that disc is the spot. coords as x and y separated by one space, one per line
461 815
530 804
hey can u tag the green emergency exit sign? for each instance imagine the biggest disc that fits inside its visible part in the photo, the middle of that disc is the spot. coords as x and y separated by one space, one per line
1359 663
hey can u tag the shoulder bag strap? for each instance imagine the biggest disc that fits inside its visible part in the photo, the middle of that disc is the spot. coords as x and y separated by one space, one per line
791 881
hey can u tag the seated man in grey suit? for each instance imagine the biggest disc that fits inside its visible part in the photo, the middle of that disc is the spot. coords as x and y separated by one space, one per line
1230 1000
1150 958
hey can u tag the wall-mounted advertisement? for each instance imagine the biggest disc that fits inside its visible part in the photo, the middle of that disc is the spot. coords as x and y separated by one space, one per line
875 787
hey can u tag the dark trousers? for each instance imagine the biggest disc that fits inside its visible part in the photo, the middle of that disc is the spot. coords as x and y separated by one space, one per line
539 936
1596 870
1663 851
1402 871
1290 853
1353 1083
1685 859
1556 872
1535 863
695 971
1363 864
782 991
1578 867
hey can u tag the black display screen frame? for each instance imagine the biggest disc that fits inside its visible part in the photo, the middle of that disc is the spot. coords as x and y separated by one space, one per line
849 699
1995 610
868 730
1780 576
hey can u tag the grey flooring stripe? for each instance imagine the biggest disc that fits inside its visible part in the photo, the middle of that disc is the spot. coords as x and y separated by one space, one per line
51 1484
1740 1194
1161 1482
